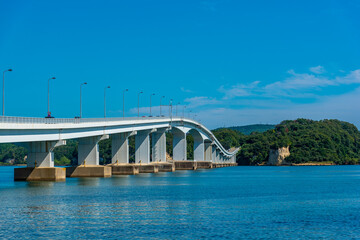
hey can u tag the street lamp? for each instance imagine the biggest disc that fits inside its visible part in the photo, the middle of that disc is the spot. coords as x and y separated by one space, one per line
177 108
160 104
170 107
3 93
139 103
150 102
84 83
124 102
105 100
49 113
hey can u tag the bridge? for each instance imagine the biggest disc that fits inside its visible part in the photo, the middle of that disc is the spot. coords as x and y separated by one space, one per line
41 135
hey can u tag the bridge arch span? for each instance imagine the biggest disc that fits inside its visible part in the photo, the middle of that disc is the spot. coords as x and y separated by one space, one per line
56 131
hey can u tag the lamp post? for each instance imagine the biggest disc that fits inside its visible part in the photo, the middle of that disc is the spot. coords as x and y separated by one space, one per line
105 100
84 83
184 111
176 108
3 93
49 113
150 102
160 104
170 108
124 102
139 103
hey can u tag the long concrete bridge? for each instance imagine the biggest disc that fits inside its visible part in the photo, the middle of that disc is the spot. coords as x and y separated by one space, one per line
41 135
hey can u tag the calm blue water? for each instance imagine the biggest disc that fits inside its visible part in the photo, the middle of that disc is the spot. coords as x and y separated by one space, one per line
227 203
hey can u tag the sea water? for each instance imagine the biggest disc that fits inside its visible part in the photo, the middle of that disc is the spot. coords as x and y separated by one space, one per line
303 202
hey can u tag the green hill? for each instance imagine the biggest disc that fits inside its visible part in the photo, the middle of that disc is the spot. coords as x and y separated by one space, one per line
310 141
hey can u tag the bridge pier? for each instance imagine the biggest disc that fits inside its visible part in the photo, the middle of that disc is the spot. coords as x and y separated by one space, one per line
40 163
142 147
159 146
217 156
159 151
142 152
120 147
88 159
208 151
199 146
179 145
213 153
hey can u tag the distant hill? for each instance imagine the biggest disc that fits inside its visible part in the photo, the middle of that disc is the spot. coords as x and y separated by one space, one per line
309 141
248 129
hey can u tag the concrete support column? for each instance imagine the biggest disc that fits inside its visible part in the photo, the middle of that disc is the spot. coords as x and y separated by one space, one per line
198 147
179 145
88 150
142 146
120 148
40 154
218 156
159 146
213 153
208 151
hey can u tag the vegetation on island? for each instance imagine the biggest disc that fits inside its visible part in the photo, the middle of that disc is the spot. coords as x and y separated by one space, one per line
310 141
325 141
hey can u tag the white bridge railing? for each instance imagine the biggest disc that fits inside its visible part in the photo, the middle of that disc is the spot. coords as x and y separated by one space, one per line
34 120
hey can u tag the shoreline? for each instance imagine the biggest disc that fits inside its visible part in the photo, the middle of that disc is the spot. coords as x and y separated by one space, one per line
315 164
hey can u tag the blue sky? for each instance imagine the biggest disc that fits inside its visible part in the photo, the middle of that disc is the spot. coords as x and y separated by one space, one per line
230 62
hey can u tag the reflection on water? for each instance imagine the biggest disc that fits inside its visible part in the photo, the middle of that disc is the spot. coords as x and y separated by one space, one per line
87 181
40 184
227 203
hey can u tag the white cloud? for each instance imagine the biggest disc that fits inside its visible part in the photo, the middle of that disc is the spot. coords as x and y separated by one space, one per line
300 81
200 101
318 69
186 90
352 77
239 90
342 107
298 85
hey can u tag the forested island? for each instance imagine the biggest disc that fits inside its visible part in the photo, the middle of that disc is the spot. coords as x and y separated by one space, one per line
308 142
